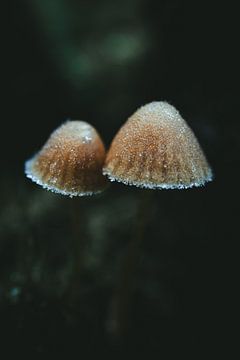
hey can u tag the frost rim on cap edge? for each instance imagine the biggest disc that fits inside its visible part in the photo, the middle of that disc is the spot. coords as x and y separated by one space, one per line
160 186
53 189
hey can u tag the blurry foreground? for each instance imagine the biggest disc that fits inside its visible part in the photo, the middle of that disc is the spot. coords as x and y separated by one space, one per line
41 233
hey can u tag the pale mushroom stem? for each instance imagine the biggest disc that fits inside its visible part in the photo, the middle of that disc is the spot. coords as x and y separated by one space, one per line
119 316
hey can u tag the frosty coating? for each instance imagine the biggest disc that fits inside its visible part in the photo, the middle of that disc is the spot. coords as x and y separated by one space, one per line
70 163
155 148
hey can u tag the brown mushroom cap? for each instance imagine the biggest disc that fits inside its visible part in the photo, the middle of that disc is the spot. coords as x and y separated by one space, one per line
155 148
70 163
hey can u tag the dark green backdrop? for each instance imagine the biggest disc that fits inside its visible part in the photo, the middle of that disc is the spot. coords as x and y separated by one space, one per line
98 61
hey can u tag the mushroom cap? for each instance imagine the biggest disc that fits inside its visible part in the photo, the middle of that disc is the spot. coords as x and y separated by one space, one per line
156 149
70 163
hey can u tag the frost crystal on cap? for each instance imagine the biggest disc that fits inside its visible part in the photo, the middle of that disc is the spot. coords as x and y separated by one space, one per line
154 149
70 163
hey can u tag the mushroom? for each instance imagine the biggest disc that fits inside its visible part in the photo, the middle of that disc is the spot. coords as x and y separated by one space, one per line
154 149
70 163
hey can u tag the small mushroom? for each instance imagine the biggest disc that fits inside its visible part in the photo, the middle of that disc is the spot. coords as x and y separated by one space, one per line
156 149
70 163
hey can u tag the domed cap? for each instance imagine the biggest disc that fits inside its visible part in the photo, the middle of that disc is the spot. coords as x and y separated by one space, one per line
155 148
70 163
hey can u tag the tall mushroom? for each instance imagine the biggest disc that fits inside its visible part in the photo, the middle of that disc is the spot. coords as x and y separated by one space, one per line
154 149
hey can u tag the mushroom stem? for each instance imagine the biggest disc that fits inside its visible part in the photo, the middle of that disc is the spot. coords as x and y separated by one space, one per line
119 316
78 251
78 237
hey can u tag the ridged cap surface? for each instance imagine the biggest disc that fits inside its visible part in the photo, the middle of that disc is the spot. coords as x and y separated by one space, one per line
155 148
70 163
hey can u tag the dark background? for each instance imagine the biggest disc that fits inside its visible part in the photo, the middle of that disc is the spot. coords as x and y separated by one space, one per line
98 61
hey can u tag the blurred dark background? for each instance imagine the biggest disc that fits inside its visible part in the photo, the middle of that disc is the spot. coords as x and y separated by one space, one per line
98 61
